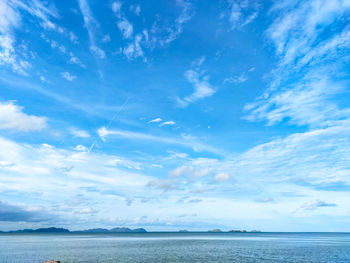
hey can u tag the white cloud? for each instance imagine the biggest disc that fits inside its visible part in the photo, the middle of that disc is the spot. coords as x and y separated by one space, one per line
222 177
135 9
316 204
157 165
157 35
118 161
58 174
167 123
266 200
202 87
134 49
306 103
73 37
68 76
79 133
179 171
155 120
241 13
81 148
315 158
307 79
185 15
165 185
43 79
13 118
11 18
74 60
126 28
243 77
87 211
97 52
106 39
116 7
240 79
189 171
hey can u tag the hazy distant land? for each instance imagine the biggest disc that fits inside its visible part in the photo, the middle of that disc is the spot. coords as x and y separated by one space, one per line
113 230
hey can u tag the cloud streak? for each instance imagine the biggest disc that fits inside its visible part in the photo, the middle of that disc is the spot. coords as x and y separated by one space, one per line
181 141
90 24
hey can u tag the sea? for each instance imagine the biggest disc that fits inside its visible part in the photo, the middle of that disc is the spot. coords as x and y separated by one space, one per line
176 247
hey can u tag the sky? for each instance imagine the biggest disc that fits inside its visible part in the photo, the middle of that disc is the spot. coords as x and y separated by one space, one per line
179 114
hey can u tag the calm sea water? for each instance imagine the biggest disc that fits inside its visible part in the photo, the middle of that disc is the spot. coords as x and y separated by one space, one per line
176 247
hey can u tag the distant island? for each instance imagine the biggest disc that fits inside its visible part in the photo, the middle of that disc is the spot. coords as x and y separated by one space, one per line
244 231
215 230
113 230
41 230
64 230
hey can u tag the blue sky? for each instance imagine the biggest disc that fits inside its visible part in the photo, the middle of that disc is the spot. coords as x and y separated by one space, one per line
175 114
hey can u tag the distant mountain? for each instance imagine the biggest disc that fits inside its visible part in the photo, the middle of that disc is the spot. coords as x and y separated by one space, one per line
113 230
215 230
93 230
127 230
41 230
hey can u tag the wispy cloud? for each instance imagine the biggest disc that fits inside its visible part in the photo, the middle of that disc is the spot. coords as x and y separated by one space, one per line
165 185
185 141
40 168
79 133
134 48
106 39
126 28
66 75
201 84
243 77
155 120
185 15
74 60
149 38
308 75
136 9
10 11
167 123
222 177
73 38
316 204
13 118
90 24
241 13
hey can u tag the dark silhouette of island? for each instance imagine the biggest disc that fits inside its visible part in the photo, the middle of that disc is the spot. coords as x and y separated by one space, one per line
64 230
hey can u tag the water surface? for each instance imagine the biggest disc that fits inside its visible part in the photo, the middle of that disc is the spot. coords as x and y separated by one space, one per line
176 247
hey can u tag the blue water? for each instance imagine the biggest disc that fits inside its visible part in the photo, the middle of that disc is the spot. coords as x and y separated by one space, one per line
176 247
